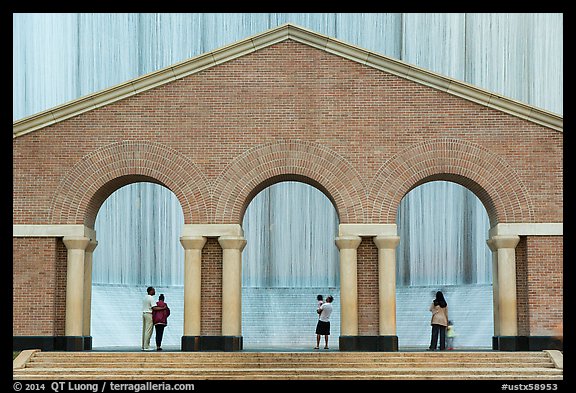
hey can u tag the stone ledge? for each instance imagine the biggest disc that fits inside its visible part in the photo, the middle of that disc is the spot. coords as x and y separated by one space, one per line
23 358
557 357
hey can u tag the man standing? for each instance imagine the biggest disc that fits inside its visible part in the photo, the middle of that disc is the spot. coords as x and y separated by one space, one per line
148 305
323 326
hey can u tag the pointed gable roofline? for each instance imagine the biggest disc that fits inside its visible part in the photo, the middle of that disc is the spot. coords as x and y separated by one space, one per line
271 37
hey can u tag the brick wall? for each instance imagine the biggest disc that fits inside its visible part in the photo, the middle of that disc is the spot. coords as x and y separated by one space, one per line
368 301
545 283
211 298
522 274
39 286
218 137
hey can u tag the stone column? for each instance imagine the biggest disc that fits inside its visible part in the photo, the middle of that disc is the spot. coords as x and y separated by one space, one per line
75 284
88 286
506 246
348 284
232 247
192 283
387 283
495 300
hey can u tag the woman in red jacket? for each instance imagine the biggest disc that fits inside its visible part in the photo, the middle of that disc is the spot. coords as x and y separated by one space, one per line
160 319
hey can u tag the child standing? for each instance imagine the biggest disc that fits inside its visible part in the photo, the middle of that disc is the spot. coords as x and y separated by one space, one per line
450 334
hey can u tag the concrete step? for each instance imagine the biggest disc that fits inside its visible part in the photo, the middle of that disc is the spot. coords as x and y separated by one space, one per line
277 354
342 370
287 374
297 363
286 365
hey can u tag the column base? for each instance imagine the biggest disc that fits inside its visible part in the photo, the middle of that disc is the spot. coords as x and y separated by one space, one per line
212 343
52 343
510 343
87 343
540 343
527 343
369 343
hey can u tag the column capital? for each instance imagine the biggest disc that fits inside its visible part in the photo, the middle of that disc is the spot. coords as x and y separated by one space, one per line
348 242
91 246
503 241
232 242
212 230
367 230
491 245
193 242
76 242
386 242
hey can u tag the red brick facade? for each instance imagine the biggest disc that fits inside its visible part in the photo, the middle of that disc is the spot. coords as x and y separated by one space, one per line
211 288
368 318
39 286
286 112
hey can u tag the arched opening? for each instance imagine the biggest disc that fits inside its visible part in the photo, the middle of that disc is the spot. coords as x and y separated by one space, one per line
290 257
443 228
138 230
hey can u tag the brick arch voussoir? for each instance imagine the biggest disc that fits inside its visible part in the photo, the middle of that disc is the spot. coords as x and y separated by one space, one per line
90 181
483 172
252 171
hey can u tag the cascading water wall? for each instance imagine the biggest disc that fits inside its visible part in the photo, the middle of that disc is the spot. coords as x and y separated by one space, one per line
290 257
138 229
443 228
290 229
61 57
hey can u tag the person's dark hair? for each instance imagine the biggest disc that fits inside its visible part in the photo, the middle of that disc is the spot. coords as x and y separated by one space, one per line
319 297
329 298
161 297
149 289
440 301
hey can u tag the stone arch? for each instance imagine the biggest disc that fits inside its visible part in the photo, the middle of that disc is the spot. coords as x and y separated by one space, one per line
298 160
483 172
87 184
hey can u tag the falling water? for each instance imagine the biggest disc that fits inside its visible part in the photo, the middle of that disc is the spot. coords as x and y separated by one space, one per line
291 257
290 230
139 226
443 228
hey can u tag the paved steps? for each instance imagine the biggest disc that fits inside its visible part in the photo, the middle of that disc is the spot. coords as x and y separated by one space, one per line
88 365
